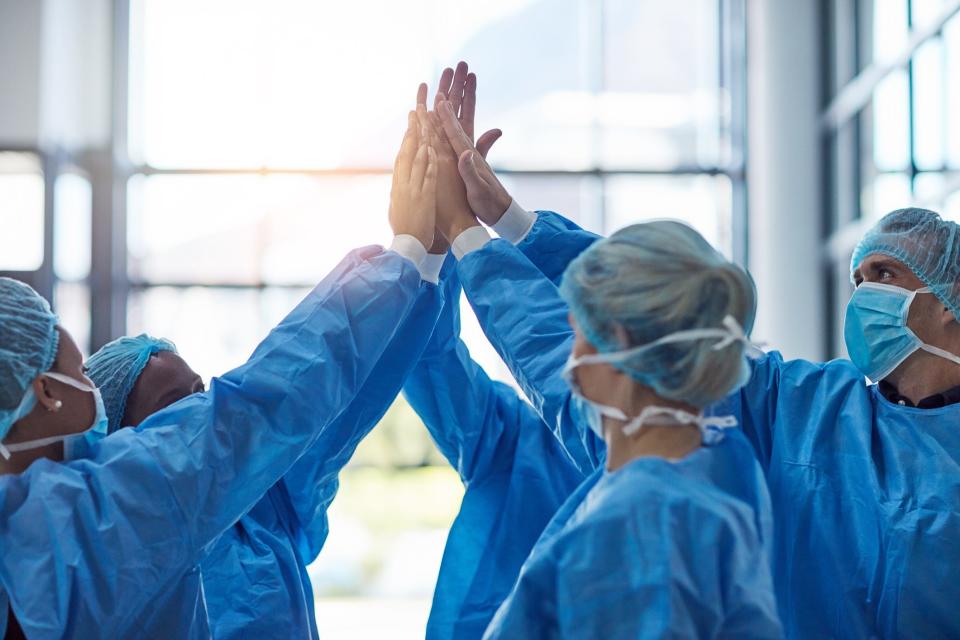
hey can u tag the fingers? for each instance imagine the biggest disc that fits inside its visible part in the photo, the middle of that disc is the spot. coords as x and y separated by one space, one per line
468 107
443 86
486 141
422 94
407 148
451 126
419 169
430 177
469 168
455 94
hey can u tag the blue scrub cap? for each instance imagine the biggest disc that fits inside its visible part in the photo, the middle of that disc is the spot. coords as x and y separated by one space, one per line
654 279
28 345
926 243
116 367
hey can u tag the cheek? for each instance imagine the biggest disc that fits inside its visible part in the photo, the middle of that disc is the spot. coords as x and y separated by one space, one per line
81 408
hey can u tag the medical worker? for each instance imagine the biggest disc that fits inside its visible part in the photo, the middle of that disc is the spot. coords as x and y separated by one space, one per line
254 577
862 456
671 537
102 536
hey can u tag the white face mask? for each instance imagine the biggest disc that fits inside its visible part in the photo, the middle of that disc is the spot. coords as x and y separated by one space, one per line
710 426
75 445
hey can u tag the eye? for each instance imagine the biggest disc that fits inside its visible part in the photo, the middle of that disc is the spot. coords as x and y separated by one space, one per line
857 281
885 274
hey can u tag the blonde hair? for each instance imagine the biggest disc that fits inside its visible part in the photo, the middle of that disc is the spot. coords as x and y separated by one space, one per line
653 279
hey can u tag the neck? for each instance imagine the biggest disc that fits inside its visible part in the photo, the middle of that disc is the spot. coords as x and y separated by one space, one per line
34 426
20 461
923 375
669 441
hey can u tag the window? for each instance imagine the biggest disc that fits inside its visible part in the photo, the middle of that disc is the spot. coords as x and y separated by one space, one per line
262 135
891 138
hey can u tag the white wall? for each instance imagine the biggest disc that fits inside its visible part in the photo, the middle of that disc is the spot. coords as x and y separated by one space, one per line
55 73
784 174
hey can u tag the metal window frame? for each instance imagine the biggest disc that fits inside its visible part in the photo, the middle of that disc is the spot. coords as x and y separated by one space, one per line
110 281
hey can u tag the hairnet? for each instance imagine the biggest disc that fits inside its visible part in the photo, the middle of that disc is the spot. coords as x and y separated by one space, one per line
116 367
926 243
653 279
28 345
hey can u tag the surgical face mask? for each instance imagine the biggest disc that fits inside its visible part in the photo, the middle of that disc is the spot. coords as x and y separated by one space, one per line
710 426
876 332
75 445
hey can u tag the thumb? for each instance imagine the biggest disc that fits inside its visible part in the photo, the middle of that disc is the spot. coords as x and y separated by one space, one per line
486 141
469 170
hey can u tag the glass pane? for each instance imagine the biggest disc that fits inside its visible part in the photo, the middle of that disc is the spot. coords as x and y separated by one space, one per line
888 192
21 216
924 12
662 114
951 39
215 329
73 202
890 30
299 83
891 123
928 189
928 103
71 301
287 229
578 198
703 202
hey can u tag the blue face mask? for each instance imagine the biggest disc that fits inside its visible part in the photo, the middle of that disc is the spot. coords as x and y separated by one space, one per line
876 332
75 445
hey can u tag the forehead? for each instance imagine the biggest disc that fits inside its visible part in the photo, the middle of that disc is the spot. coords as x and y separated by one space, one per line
876 261
167 366
67 350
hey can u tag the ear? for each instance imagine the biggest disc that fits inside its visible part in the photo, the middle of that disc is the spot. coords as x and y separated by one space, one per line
45 397
947 318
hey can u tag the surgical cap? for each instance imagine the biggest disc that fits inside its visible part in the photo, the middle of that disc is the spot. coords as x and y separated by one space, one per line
926 243
116 367
28 346
654 279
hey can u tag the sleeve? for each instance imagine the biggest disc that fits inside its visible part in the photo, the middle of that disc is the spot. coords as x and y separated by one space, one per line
755 405
553 243
90 543
312 482
471 418
525 319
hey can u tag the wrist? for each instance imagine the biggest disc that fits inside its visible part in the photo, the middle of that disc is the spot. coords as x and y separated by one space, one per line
457 223
499 206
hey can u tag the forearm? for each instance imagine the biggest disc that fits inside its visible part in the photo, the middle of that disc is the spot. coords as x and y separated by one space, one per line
312 481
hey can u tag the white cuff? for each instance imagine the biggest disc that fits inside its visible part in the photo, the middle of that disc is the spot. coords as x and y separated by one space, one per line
410 248
470 240
430 267
515 223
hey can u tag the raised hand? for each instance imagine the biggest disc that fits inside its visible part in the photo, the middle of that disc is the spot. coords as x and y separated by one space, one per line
487 197
460 88
453 211
413 196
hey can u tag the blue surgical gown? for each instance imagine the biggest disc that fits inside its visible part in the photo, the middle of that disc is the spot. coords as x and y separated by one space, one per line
255 578
866 493
514 472
100 547
655 549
